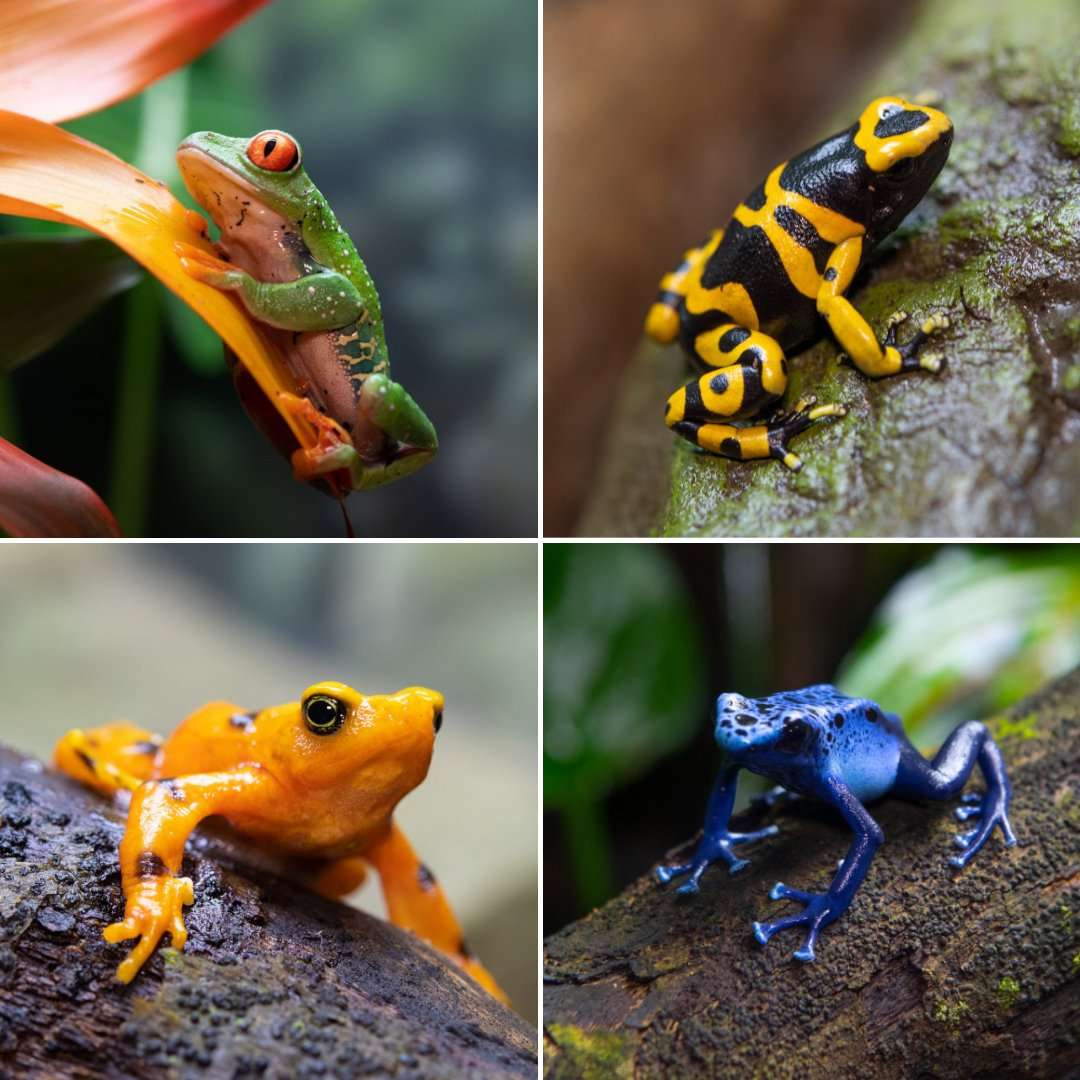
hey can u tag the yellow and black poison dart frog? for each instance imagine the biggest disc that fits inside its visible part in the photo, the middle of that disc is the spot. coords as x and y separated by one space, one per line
754 290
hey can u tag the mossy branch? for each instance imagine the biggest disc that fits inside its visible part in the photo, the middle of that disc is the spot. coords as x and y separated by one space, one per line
932 972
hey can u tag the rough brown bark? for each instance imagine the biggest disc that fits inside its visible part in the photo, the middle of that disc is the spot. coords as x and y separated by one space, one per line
274 981
932 972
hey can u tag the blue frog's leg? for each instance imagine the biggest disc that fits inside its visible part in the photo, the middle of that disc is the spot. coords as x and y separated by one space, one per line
944 777
717 841
824 908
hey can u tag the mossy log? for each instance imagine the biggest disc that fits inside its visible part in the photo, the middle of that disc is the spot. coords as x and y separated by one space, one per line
992 446
274 981
932 973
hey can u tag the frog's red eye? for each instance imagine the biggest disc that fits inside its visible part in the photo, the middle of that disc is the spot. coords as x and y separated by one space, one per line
273 150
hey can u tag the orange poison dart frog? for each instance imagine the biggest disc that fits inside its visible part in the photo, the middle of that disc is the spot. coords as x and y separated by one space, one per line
318 778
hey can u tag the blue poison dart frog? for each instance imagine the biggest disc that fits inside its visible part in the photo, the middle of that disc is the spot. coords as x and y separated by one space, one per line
846 752
754 291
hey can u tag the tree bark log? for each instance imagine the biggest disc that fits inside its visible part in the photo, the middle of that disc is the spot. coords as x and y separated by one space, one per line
931 973
274 981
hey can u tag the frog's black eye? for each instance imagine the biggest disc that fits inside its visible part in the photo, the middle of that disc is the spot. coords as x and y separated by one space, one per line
901 171
274 151
437 720
795 737
324 714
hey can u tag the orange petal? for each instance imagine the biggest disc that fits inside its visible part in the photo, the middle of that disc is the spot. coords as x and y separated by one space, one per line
46 172
64 58
36 500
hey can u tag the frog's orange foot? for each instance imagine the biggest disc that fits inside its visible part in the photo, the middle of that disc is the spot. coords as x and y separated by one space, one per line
156 907
333 447
207 268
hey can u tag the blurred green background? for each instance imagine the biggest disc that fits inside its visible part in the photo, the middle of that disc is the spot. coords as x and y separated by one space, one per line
418 121
93 633
640 638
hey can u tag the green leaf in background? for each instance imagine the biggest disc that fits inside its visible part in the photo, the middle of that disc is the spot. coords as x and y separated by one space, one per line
622 677
51 283
969 634
622 666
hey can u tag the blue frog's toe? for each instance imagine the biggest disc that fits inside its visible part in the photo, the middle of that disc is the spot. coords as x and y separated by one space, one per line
965 813
805 953
737 865
760 932
971 797
664 874
689 889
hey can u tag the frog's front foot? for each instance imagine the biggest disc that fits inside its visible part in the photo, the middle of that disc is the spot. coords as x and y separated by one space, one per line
716 848
992 810
820 910
207 268
154 907
910 360
782 427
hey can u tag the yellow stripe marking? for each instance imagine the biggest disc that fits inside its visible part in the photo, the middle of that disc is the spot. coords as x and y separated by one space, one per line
731 298
798 261
881 154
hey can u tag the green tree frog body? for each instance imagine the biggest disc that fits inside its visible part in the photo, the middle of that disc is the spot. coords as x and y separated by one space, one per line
296 270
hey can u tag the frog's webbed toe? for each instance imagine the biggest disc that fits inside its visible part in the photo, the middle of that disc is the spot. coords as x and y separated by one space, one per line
715 848
818 912
910 360
156 908
990 810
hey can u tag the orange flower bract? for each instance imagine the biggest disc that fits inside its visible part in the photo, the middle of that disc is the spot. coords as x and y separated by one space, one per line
46 172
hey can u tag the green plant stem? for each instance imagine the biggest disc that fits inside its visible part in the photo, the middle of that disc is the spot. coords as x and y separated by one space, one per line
590 851
133 450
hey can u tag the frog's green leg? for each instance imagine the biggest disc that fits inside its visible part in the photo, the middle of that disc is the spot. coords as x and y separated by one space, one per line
319 301
392 437
855 334
662 322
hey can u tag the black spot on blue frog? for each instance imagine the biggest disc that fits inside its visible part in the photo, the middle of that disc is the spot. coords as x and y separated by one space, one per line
845 751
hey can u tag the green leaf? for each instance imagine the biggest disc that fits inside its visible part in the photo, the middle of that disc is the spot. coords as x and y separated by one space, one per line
51 283
969 634
622 667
